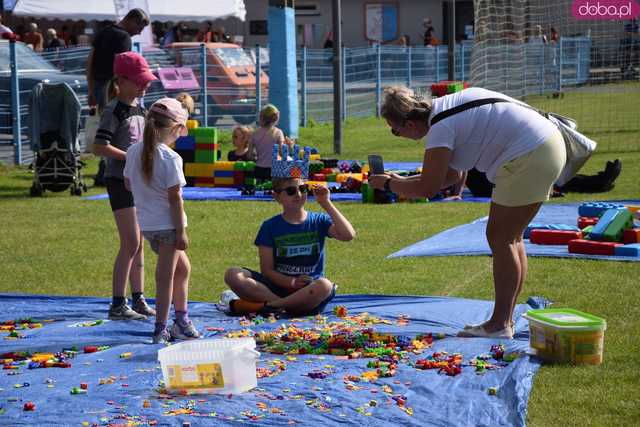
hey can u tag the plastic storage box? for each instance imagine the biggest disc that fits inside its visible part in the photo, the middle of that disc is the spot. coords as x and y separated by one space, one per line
566 336
210 366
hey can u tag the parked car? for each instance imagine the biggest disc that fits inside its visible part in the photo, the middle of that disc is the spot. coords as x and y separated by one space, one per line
32 69
231 79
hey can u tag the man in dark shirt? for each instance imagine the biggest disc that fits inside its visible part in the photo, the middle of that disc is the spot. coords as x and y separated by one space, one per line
110 41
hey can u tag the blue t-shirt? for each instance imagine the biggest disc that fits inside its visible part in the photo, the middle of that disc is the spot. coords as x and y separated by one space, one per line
297 248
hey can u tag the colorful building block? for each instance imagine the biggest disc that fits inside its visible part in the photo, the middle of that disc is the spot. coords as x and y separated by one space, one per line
611 225
205 135
204 170
225 166
192 124
553 237
632 250
186 143
238 178
596 208
585 221
631 235
203 156
580 246
542 226
224 181
204 182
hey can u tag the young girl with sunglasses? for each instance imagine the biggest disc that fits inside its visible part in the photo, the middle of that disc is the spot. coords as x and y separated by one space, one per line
121 126
154 174
291 251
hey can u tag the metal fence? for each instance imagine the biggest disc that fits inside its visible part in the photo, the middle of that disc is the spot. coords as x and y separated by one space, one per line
234 84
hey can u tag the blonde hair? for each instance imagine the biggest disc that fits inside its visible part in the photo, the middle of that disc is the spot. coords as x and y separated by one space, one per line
154 124
401 104
246 131
187 102
269 115
112 90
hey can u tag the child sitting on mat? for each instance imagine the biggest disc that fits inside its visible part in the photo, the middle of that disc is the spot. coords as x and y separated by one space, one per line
290 248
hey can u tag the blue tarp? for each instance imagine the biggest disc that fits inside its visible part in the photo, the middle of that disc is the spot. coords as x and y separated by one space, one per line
470 239
436 399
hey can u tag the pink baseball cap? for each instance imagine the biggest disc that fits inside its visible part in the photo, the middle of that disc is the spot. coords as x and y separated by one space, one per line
171 108
134 67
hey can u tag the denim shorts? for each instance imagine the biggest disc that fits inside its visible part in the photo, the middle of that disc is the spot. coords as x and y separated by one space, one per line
156 237
282 293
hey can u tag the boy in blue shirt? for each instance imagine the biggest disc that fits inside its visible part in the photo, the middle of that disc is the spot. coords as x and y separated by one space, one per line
291 251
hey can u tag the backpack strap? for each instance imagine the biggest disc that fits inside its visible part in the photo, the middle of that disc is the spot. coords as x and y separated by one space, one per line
463 107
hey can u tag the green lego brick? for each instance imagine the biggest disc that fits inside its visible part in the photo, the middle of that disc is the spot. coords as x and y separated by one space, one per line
367 193
207 135
249 166
331 177
249 181
616 228
205 156
455 87
239 166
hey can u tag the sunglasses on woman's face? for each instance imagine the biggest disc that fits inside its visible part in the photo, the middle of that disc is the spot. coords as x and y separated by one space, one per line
291 191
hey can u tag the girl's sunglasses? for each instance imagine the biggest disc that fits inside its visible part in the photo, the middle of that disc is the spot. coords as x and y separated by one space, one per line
304 189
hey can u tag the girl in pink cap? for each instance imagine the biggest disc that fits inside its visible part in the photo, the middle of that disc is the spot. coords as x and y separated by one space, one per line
153 173
121 126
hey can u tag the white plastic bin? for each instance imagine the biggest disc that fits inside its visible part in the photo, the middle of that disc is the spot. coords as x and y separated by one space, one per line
210 366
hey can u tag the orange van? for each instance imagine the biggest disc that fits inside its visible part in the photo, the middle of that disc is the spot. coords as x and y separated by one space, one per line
231 79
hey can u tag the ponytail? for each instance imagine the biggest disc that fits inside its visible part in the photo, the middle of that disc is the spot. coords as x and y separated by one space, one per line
149 140
401 104
112 89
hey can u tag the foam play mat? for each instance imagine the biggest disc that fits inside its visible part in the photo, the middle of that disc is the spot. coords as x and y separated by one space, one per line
470 239
65 364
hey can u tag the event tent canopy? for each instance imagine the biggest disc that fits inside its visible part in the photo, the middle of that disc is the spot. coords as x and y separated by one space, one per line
160 10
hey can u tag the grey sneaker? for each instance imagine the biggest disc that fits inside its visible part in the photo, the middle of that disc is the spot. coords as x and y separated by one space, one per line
162 337
186 332
142 307
124 312
225 300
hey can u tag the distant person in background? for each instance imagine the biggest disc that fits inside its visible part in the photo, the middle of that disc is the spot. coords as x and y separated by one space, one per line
555 36
110 41
3 28
34 38
240 139
65 35
539 36
430 38
174 35
53 42
328 41
205 33
223 37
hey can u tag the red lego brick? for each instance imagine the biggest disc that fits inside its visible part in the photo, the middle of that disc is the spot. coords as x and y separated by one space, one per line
631 235
553 237
585 221
580 246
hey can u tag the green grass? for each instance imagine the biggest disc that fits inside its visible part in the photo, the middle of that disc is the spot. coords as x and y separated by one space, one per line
61 245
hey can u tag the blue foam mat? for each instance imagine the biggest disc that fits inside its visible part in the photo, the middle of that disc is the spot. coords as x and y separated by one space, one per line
470 239
462 400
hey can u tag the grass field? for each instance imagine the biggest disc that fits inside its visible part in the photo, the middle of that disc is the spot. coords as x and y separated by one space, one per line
61 245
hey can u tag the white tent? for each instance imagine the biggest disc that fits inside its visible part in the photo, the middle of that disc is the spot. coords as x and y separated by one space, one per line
159 10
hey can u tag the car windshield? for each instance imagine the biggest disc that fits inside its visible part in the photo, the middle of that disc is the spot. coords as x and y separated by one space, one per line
28 60
233 57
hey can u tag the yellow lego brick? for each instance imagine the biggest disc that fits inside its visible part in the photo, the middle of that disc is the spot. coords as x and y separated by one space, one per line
192 124
219 182
343 177
224 166
204 170
314 157
317 183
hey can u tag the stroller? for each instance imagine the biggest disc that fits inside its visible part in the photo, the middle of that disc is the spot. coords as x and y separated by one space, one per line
55 121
